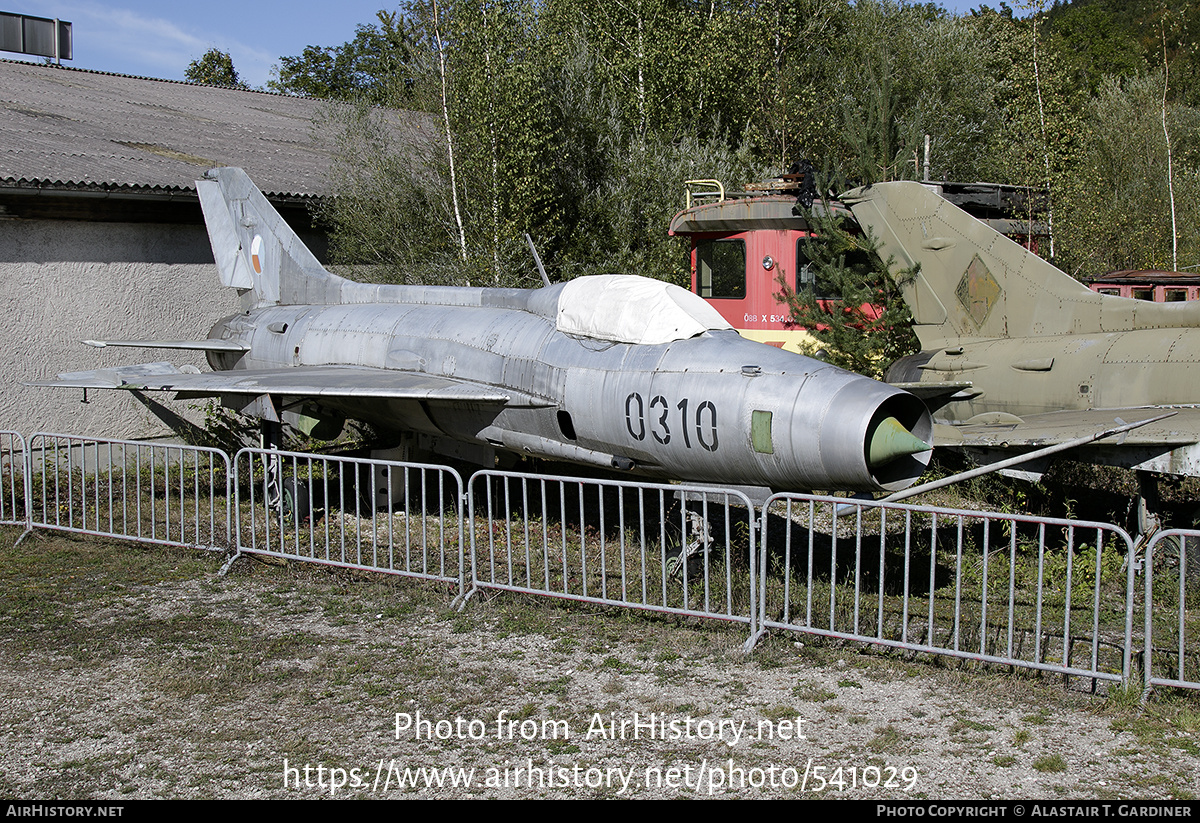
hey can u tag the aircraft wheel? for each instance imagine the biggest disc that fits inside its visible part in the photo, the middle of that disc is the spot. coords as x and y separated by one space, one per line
301 499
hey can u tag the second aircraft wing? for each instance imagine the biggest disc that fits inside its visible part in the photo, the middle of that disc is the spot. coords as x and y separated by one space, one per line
1003 431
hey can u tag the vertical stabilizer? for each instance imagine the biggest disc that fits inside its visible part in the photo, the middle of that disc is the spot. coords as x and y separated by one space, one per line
256 251
975 283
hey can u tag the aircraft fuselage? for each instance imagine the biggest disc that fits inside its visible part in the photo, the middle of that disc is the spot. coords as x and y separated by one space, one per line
1033 375
710 407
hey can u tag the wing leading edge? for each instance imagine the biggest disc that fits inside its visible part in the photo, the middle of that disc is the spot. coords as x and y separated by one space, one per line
297 381
1034 430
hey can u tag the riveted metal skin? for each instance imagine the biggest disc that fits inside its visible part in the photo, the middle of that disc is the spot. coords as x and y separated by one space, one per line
619 372
681 409
1018 355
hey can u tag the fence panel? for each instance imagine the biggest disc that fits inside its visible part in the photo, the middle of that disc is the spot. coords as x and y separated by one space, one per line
1042 593
376 515
14 480
153 492
1172 609
1054 595
685 550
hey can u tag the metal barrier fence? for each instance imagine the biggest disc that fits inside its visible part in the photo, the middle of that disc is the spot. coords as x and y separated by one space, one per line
1172 609
152 492
1040 593
384 516
678 549
14 480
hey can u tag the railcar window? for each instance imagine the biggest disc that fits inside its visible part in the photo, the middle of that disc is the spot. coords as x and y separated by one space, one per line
721 269
1176 295
806 271
806 275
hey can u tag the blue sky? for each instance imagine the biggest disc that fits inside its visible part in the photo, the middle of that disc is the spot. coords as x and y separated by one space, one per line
159 39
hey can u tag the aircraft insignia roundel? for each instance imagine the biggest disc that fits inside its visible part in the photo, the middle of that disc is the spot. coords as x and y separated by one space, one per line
256 249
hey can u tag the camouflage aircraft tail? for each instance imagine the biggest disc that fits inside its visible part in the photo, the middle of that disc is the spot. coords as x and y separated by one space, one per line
973 283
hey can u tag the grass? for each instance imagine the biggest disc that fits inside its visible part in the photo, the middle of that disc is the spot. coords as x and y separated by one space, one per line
813 692
620 546
1050 763
947 583
887 739
145 652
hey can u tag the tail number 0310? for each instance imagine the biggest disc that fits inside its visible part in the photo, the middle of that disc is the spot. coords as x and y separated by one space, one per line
657 418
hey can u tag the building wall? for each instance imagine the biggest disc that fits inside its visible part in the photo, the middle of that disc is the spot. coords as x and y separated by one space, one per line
66 281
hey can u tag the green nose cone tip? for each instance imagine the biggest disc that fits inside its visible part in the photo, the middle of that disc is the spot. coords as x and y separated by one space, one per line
891 440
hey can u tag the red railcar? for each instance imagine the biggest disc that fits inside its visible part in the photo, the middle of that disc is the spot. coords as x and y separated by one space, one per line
743 249
745 245
1141 284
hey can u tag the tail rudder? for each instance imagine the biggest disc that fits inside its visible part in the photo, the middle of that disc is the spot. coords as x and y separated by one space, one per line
256 251
972 281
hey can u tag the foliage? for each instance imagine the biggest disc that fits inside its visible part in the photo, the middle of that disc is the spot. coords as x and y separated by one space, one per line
577 121
381 65
1124 221
503 126
1123 38
865 326
392 217
618 187
215 68
222 429
1038 143
1094 43
916 71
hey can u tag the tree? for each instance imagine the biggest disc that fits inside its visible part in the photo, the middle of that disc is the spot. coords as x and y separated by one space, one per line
578 120
855 309
1122 217
503 133
1123 38
866 82
381 65
393 216
1095 42
215 68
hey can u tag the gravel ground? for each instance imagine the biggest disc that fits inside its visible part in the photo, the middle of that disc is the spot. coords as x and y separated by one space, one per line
135 672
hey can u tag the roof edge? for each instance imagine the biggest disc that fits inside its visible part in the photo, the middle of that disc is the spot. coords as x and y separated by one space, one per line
54 67
34 185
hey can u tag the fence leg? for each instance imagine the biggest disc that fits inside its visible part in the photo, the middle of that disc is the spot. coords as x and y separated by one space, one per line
229 563
459 603
752 641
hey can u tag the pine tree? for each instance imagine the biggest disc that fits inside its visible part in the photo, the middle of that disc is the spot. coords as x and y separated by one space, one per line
854 309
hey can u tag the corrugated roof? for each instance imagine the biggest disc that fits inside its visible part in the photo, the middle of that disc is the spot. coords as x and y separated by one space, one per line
75 128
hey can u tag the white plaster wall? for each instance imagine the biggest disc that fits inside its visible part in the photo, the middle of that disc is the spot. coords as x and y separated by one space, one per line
66 281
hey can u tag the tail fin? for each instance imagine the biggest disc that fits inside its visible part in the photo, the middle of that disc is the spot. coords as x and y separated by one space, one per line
255 250
975 283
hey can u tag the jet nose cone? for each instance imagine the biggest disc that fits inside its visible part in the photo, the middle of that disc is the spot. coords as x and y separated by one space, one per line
891 440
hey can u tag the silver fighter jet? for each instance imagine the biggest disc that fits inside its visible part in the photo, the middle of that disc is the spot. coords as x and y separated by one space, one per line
615 371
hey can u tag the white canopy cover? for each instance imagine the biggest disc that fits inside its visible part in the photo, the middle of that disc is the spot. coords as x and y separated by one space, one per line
627 308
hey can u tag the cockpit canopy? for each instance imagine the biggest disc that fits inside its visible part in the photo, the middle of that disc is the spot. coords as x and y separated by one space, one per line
626 308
